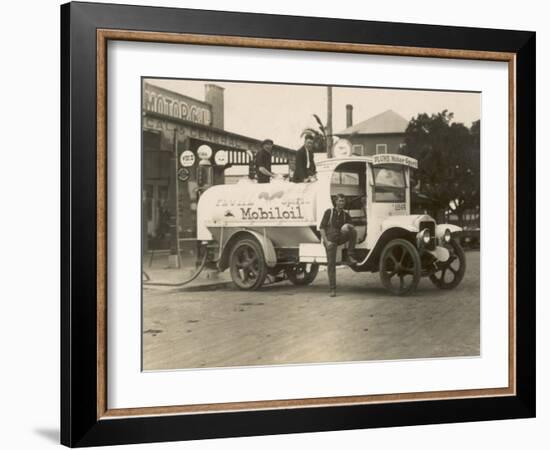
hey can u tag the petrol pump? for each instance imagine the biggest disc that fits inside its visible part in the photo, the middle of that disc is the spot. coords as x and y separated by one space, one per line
205 171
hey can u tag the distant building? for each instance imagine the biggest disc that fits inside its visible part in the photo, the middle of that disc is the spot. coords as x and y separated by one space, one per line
383 133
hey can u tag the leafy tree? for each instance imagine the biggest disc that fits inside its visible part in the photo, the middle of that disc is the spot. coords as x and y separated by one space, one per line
448 160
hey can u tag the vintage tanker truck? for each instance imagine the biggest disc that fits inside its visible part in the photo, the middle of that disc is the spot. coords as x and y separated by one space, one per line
271 231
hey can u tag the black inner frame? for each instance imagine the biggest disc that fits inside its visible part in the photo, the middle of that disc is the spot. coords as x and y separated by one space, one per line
79 425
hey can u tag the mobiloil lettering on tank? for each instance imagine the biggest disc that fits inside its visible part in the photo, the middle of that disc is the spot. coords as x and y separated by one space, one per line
262 207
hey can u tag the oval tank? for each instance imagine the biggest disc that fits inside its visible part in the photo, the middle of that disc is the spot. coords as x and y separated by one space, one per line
286 211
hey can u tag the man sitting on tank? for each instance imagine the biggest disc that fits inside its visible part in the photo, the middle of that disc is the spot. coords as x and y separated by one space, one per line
336 229
305 169
263 162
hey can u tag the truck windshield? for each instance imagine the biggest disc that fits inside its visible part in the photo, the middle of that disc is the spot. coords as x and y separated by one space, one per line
389 184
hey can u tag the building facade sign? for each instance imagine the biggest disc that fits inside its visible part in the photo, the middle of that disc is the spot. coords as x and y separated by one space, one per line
172 104
210 135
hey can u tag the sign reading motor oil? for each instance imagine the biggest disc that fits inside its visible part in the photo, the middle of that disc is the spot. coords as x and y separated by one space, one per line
187 158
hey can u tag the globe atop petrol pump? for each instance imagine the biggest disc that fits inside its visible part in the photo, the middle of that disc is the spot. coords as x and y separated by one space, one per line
204 152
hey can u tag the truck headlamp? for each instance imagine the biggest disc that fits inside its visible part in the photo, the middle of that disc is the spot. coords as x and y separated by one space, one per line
426 236
447 236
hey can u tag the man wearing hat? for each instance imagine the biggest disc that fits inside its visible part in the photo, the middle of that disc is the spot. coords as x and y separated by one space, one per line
305 168
336 229
263 162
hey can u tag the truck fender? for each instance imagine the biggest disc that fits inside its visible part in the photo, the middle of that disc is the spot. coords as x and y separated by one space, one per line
372 257
440 229
267 247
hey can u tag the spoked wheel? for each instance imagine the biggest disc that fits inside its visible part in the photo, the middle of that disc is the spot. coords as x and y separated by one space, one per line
302 274
400 267
451 272
247 265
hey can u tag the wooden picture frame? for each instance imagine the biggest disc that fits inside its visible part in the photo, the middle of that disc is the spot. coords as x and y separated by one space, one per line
85 416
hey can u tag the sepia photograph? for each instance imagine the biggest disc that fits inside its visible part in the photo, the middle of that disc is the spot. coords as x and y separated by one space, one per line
307 224
292 224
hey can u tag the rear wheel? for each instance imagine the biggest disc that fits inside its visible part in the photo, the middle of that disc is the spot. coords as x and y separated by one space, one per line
247 265
302 274
400 267
450 273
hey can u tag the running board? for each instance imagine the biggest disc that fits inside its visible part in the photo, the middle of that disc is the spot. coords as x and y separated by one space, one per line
316 253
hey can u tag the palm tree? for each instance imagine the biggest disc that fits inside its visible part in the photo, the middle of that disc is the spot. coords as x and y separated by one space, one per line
319 136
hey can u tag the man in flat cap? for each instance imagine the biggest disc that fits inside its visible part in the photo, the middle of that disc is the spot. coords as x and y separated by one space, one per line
263 162
336 229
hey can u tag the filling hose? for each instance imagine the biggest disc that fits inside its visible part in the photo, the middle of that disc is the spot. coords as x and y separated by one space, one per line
147 282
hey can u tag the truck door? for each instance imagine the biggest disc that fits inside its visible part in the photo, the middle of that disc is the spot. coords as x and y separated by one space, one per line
349 179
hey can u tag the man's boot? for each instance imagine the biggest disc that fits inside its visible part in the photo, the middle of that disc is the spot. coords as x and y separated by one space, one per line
351 260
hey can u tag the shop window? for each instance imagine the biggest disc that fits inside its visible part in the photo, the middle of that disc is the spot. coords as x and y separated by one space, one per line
151 141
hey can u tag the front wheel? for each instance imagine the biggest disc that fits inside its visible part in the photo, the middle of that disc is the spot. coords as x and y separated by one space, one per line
247 265
400 267
450 273
302 274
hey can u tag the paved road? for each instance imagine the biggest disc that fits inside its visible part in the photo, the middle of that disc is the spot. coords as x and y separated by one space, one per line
284 324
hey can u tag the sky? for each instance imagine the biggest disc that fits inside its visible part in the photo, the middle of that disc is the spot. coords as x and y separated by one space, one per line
282 111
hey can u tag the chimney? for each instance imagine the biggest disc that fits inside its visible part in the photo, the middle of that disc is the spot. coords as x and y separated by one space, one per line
213 94
349 116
